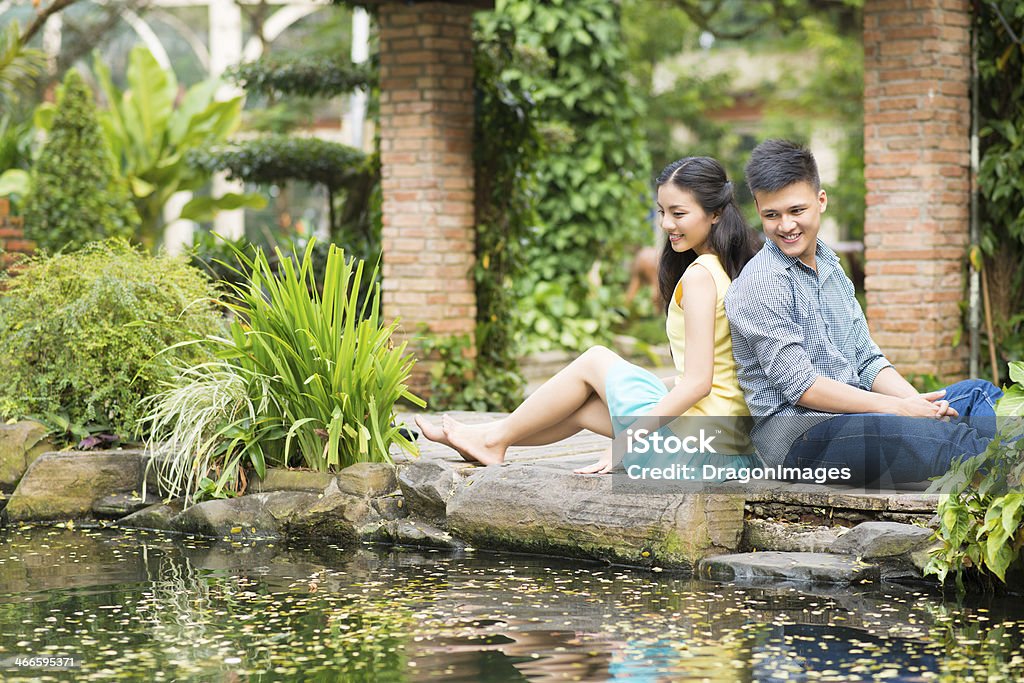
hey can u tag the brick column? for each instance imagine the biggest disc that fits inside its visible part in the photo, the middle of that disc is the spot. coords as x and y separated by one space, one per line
12 238
917 168
426 128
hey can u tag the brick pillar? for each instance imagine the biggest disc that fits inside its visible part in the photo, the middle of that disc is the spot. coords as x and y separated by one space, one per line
12 238
917 168
426 129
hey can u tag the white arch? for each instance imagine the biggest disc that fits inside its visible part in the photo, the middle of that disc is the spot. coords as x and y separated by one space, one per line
277 24
148 37
190 36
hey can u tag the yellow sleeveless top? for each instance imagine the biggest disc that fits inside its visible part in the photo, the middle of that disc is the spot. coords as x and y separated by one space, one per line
726 397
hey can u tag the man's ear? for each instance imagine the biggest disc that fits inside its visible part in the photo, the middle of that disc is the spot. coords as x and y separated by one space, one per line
822 200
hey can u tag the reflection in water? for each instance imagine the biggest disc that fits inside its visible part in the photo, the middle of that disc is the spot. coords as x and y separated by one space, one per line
143 606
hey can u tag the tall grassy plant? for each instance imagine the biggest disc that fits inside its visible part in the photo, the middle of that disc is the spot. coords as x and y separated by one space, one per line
336 373
207 426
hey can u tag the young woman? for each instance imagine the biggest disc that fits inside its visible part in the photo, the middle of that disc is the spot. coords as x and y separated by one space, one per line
708 243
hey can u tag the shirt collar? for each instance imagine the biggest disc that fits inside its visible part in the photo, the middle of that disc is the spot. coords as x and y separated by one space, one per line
822 253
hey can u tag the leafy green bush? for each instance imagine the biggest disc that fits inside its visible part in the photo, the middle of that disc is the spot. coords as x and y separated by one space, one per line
76 196
298 368
80 335
981 520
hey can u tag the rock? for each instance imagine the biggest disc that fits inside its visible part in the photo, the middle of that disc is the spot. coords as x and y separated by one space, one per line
256 516
120 504
416 533
158 517
335 515
369 479
20 444
65 485
391 507
427 485
871 540
776 566
537 508
280 479
763 534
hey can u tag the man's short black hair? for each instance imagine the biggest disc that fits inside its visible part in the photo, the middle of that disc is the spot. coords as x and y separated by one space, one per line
775 164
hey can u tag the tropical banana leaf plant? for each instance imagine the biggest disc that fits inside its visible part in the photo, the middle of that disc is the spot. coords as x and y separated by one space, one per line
19 65
150 134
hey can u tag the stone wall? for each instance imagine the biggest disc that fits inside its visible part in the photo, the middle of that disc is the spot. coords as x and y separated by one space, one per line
917 169
426 123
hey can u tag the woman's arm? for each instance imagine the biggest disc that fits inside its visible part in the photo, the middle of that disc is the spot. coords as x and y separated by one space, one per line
700 297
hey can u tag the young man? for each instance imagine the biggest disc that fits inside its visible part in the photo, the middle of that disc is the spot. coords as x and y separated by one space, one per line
819 389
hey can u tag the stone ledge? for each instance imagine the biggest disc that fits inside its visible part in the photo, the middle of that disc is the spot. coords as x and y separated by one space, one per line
795 567
538 509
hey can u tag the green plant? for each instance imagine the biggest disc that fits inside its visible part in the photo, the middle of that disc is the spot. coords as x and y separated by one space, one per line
150 138
345 172
459 381
80 335
313 378
207 425
998 27
19 65
76 195
555 319
981 515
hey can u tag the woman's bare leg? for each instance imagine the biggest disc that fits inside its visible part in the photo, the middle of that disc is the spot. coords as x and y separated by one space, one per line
593 415
548 412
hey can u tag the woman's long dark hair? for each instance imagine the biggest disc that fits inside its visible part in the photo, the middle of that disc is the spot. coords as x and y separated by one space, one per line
731 239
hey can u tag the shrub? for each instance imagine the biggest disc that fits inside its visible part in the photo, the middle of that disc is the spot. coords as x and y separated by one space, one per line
981 520
303 378
80 334
76 196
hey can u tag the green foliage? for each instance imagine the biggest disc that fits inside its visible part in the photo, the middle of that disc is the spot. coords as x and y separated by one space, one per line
460 381
1001 168
279 158
80 334
351 178
595 195
981 520
150 138
19 65
76 195
303 75
557 319
315 372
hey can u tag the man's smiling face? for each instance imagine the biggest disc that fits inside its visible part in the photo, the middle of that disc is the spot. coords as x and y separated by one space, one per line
791 218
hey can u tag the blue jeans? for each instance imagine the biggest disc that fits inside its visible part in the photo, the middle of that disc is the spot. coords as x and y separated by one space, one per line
890 450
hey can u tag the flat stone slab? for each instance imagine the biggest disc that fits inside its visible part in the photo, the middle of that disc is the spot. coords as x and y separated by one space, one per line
780 566
871 540
524 506
66 485
122 504
764 534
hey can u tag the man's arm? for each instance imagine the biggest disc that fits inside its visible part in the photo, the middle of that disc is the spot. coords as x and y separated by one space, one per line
830 396
891 383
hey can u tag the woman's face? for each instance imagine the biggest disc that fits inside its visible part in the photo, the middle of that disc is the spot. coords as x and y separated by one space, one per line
684 220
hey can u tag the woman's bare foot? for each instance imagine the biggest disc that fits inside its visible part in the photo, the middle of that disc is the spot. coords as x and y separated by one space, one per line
437 435
471 443
434 433
602 466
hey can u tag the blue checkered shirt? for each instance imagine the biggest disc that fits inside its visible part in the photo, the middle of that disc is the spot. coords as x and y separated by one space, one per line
791 325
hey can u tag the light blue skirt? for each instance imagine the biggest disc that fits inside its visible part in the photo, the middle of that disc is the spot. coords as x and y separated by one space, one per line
633 392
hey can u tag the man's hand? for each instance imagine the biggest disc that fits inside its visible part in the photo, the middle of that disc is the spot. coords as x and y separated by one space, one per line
924 405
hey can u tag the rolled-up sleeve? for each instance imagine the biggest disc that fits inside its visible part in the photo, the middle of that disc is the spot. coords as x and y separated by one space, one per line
870 359
760 312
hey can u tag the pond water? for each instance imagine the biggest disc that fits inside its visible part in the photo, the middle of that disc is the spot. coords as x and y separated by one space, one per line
97 604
